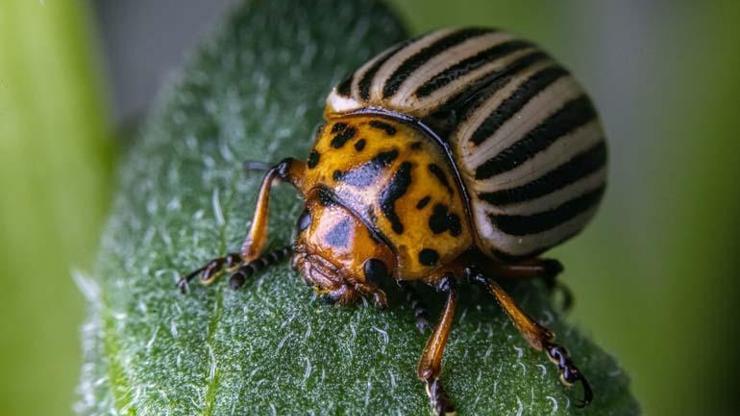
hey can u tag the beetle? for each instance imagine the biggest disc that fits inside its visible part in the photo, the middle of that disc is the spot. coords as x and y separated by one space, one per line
457 156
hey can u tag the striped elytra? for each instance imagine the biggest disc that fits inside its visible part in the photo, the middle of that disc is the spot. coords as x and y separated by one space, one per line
521 133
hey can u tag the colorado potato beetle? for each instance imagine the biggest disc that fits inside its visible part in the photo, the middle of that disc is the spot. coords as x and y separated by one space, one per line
457 156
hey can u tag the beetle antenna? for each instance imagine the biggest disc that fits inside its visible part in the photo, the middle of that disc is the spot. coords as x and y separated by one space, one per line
260 263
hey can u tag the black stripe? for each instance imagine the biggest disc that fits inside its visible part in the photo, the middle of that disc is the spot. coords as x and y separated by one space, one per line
395 189
569 117
468 65
415 61
367 79
580 166
516 101
345 87
519 225
382 125
469 100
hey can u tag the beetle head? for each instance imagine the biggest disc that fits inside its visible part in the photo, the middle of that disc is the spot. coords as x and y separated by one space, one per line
337 254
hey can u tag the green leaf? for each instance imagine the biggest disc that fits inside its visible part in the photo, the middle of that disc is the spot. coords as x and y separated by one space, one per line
256 91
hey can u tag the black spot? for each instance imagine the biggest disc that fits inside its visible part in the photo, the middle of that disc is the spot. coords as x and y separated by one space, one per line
367 173
341 138
423 202
360 145
313 159
443 220
337 127
416 145
375 271
395 189
428 257
440 175
381 125
304 221
338 236
325 196
385 158
337 175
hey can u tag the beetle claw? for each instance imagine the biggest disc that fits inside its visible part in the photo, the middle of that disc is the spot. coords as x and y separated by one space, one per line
569 373
184 283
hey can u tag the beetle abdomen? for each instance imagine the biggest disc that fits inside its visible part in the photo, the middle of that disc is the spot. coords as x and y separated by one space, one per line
525 138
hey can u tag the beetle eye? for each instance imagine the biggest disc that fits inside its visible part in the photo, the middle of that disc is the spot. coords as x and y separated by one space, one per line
304 221
375 271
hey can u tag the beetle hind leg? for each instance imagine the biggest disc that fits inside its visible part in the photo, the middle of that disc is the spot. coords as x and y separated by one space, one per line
538 268
538 337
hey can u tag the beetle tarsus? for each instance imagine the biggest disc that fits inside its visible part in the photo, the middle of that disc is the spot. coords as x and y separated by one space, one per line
569 373
441 404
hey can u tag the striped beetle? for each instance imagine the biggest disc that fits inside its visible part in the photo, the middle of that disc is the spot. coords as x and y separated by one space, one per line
460 155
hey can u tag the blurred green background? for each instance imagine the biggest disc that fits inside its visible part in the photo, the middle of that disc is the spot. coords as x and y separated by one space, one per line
656 275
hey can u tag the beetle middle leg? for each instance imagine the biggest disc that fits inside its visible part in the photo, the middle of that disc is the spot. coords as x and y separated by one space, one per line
538 337
430 364
417 305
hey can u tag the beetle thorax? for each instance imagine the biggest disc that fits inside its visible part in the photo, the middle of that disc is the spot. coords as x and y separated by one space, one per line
399 183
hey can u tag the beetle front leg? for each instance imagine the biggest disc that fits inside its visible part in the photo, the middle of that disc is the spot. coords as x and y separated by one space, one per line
430 364
288 170
538 337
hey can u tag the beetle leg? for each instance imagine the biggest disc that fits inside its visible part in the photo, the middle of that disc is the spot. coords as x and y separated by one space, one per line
545 269
430 363
289 170
539 337
417 305
233 263
210 271
238 278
